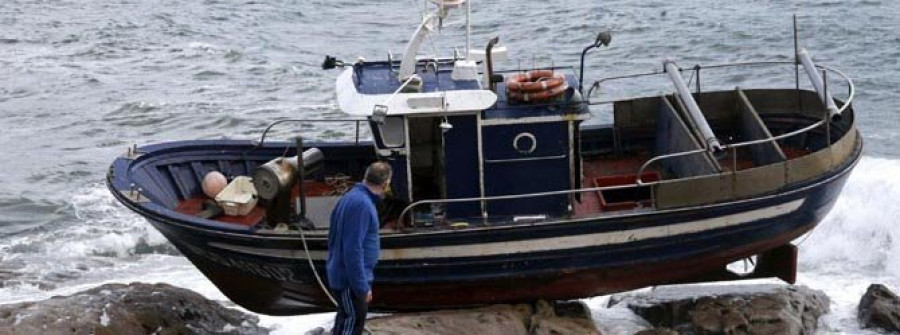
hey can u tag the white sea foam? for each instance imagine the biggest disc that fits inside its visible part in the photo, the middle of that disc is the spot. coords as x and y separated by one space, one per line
102 227
861 232
100 240
857 244
104 319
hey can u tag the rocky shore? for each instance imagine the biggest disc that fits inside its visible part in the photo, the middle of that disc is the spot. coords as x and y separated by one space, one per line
748 309
120 309
139 308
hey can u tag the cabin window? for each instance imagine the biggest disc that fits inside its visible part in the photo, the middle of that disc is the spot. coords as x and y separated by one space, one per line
393 132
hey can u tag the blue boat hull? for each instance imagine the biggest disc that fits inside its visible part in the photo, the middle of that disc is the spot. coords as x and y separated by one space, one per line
270 273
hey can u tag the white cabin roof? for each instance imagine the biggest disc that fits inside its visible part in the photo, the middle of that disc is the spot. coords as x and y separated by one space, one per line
352 102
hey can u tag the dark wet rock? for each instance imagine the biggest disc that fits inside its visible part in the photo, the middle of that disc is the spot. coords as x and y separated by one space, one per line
136 308
542 318
879 308
746 309
562 317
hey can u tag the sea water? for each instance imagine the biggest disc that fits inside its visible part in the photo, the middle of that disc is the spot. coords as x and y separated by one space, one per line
81 80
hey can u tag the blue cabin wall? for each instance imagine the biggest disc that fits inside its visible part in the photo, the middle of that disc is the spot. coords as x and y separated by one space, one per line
511 170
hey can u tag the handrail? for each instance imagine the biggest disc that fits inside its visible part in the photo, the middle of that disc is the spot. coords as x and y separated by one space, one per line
654 159
734 146
508 197
726 147
262 138
597 83
638 181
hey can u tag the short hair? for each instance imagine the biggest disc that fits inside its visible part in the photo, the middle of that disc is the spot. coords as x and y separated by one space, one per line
378 173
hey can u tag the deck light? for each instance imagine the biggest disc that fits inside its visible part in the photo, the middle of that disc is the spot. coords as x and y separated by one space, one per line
603 39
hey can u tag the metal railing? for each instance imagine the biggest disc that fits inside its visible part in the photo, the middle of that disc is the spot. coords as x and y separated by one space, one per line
825 121
638 182
265 133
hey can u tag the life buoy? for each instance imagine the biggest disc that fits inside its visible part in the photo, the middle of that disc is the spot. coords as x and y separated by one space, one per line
537 85
549 94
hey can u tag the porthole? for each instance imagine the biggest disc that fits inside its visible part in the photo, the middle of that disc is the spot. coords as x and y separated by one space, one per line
525 143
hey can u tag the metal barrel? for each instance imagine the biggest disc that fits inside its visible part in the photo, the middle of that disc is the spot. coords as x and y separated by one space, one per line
279 174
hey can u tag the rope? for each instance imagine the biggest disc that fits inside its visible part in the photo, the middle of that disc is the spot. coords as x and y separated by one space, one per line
313 269
339 183
318 278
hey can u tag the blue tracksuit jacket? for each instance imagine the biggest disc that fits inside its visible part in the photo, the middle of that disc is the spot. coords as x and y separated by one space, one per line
353 244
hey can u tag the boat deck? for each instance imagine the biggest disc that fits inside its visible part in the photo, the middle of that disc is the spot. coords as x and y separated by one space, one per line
597 172
609 172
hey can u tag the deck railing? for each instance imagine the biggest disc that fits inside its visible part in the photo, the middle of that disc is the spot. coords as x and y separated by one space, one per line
357 121
825 121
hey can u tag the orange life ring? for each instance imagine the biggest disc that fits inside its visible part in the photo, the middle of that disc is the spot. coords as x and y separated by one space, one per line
535 81
549 94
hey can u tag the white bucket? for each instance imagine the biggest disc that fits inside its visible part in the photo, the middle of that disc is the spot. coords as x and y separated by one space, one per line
239 197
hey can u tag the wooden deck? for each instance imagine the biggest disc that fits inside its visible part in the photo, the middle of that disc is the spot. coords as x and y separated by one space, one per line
608 171
194 206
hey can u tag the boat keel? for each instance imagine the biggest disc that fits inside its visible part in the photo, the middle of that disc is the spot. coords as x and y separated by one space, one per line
780 262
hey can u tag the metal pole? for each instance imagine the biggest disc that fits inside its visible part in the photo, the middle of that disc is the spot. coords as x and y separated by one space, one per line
468 28
734 170
697 73
827 123
817 83
300 177
489 63
733 160
581 73
693 110
797 66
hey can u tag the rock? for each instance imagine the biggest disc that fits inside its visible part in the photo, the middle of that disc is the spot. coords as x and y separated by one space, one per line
745 309
136 308
879 308
498 319
657 331
571 317
543 318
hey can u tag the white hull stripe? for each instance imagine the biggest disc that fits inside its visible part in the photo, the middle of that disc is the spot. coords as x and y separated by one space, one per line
543 244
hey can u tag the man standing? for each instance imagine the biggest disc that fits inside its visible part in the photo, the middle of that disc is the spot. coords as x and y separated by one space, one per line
353 248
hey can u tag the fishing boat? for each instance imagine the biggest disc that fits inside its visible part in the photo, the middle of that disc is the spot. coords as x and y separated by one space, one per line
501 193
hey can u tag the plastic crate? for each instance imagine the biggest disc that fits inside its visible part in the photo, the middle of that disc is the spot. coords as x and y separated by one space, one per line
239 197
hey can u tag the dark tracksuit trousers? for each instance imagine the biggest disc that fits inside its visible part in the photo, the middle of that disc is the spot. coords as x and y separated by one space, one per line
351 313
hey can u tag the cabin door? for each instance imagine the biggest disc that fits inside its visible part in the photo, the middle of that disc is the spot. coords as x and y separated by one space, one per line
426 158
461 161
526 158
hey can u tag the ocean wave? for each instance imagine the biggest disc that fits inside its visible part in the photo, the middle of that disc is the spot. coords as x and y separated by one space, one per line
861 231
96 237
99 227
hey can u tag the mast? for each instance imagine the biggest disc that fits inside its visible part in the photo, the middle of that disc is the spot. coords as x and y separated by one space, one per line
468 27
408 65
